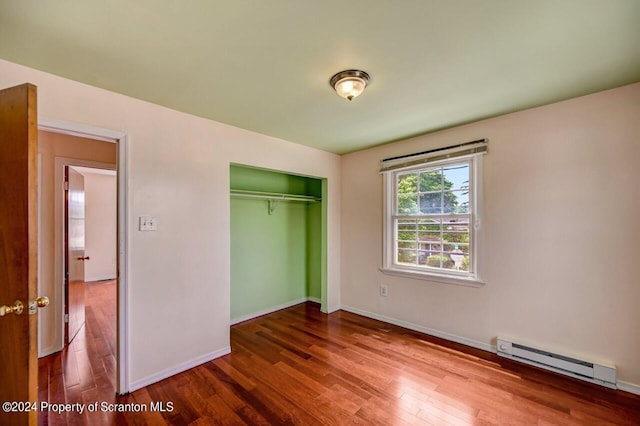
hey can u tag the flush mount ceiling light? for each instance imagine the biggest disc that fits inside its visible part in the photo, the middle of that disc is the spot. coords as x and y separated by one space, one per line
349 84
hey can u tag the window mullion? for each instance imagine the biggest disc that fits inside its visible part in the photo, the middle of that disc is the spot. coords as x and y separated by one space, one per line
395 239
415 262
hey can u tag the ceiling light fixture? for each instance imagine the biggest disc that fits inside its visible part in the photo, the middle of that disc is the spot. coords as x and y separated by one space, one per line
350 83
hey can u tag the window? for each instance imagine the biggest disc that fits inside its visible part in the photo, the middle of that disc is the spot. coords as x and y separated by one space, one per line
432 220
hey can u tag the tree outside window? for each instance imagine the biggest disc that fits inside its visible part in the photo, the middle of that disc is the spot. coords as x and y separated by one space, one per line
432 217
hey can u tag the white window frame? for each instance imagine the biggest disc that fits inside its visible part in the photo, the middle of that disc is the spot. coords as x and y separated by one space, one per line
389 264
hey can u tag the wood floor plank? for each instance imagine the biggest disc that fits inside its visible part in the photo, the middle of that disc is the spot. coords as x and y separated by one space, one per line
299 366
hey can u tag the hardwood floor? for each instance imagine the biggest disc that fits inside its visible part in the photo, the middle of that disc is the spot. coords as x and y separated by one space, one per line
86 370
300 367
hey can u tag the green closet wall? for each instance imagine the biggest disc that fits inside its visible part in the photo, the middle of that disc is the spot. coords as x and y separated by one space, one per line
276 258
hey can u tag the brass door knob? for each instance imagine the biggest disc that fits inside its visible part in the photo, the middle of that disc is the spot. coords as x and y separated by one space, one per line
40 302
17 309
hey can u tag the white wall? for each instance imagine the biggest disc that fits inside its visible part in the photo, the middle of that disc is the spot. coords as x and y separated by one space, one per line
178 171
561 249
101 231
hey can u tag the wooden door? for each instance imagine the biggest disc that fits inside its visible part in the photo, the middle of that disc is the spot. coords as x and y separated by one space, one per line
18 253
75 255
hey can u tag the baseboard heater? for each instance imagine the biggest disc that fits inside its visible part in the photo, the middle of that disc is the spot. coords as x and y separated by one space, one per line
601 374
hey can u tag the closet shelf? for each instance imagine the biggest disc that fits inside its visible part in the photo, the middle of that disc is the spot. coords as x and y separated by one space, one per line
273 197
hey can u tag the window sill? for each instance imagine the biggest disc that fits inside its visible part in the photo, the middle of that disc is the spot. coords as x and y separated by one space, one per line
426 276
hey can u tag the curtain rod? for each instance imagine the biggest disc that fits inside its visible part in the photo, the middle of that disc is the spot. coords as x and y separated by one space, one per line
434 150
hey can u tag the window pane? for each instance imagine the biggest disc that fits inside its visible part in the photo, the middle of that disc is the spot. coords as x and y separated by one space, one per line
429 237
407 245
430 241
408 183
408 204
456 202
429 224
431 203
406 235
407 226
406 241
406 256
459 260
455 231
407 187
431 180
436 261
422 257
450 201
456 177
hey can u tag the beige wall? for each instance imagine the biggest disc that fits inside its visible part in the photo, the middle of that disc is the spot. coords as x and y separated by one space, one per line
50 146
178 172
101 226
560 255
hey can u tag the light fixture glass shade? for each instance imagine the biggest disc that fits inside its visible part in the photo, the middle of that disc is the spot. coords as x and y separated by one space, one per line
349 84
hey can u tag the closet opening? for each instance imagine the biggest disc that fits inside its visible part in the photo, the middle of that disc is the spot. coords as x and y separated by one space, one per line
278 241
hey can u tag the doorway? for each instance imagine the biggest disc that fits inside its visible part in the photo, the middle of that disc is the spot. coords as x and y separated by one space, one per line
108 271
90 243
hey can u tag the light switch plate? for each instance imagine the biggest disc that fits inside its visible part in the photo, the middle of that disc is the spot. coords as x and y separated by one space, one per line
148 223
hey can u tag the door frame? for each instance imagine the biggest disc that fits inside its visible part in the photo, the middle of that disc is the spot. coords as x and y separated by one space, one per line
60 226
122 168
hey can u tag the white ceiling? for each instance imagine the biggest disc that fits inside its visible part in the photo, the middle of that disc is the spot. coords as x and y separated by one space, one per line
264 65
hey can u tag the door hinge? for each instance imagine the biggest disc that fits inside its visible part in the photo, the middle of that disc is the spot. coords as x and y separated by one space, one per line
66 318
66 185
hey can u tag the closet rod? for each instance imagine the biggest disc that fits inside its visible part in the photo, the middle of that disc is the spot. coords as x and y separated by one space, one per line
238 193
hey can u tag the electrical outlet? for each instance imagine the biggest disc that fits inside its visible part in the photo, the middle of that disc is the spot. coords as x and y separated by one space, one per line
384 290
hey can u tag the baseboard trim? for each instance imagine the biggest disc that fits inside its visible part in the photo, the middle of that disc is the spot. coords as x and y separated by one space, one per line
421 329
273 309
621 385
100 278
164 374
628 387
333 309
